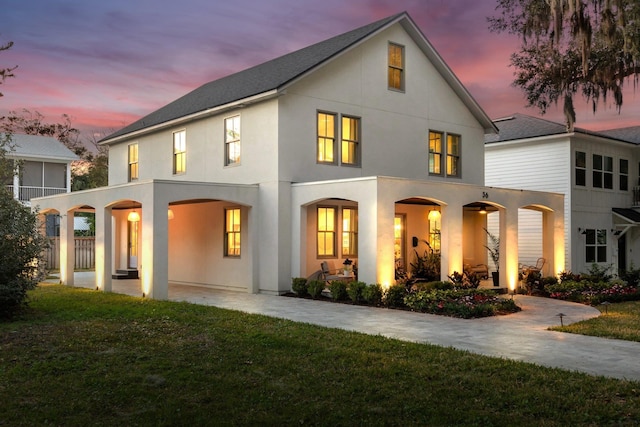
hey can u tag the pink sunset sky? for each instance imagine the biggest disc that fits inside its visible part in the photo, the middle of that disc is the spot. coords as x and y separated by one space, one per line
108 63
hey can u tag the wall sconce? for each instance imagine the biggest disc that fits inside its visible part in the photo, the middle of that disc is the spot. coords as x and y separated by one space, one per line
582 230
133 216
483 209
414 241
616 232
169 213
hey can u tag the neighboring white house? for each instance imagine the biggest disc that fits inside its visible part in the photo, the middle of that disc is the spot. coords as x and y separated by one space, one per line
45 167
596 171
355 147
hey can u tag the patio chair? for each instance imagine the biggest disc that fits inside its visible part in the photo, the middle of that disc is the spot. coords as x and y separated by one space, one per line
328 274
526 269
480 270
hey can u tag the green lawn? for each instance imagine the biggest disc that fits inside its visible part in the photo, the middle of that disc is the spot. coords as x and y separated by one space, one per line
621 321
81 357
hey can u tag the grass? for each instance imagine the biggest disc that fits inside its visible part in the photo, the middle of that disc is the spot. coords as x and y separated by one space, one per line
620 320
81 357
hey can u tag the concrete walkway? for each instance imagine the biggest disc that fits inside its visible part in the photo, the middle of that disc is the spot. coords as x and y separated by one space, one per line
521 336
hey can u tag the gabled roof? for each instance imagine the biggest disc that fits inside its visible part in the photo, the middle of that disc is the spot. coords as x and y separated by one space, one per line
521 126
40 147
277 73
630 215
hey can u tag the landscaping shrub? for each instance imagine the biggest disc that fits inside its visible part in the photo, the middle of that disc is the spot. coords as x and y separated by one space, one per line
464 303
594 293
394 296
315 288
372 294
430 286
299 286
338 290
355 291
598 273
631 276
465 280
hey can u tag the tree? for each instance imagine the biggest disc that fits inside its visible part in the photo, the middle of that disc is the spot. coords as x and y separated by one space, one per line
5 73
572 46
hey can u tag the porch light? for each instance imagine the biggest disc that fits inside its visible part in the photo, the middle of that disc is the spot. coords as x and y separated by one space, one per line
169 213
433 215
483 209
133 216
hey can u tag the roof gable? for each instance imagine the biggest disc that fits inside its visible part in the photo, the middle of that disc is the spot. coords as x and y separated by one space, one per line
278 73
41 147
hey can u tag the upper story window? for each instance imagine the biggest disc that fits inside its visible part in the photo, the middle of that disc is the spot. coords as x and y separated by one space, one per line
453 155
581 168
435 153
326 137
232 232
133 162
602 171
396 67
179 152
231 140
350 140
326 231
349 232
624 174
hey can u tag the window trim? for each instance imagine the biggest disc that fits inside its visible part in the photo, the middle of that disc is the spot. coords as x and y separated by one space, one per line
357 142
235 235
332 232
393 67
582 169
237 143
457 157
325 138
601 174
596 233
131 162
433 154
180 156
623 177
350 235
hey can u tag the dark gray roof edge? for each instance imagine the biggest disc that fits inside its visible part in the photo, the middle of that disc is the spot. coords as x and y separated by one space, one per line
255 80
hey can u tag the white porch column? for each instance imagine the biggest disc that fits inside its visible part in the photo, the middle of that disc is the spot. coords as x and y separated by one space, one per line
104 252
451 240
68 187
553 243
509 247
16 187
67 249
155 247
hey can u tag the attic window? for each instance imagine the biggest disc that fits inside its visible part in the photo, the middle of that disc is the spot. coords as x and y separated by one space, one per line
396 67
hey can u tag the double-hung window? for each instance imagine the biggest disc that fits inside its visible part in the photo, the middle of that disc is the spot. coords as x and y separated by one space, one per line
133 162
453 155
326 231
232 232
231 140
327 143
350 140
349 232
624 175
435 153
602 171
596 245
179 152
326 137
581 168
396 67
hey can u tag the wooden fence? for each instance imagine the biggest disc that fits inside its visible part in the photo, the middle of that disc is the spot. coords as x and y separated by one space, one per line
85 250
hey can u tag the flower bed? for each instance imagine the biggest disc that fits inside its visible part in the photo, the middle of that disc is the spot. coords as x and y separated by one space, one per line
593 293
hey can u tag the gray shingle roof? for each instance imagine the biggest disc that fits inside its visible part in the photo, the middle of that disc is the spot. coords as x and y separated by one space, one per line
522 126
256 80
42 147
630 214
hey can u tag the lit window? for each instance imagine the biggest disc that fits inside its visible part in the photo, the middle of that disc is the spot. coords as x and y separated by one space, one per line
435 153
596 245
133 162
232 232
624 175
326 231
453 155
326 137
602 171
398 239
581 168
232 140
434 229
349 232
179 152
350 140
396 67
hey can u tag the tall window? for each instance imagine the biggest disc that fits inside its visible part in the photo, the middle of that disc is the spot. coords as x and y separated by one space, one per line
231 140
349 232
133 162
581 168
602 171
232 232
179 152
350 140
326 232
624 174
435 225
435 153
453 155
326 137
396 67
596 245
398 244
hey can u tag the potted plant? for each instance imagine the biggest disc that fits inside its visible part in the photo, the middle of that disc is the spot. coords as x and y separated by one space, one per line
347 266
494 253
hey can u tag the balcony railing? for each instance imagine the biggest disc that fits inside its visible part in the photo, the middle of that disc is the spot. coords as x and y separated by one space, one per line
26 193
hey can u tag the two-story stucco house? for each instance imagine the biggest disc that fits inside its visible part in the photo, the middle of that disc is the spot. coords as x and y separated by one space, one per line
361 146
44 169
598 173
